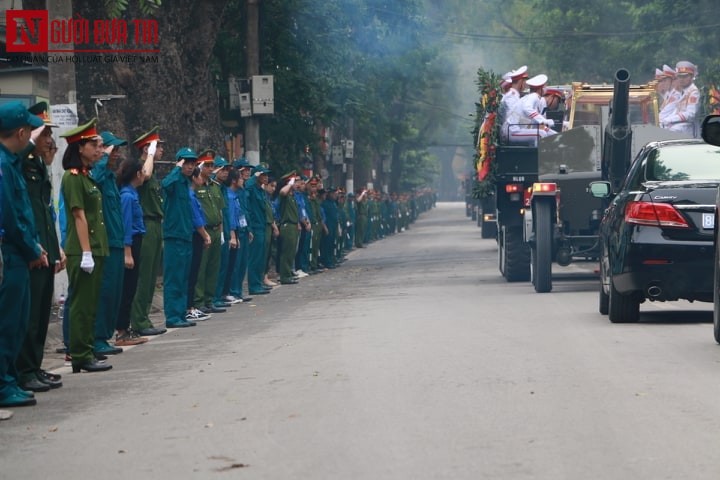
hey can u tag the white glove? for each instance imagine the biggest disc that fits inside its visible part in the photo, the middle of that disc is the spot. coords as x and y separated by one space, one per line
152 148
292 181
550 122
222 238
87 264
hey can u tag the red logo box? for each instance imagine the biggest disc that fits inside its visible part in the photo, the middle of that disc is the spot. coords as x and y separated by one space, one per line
27 31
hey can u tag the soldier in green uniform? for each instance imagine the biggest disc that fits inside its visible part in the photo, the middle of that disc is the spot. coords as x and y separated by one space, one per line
361 209
212 203
177 234
261 224
151 149
39 187
86 245
222 170
289 228
317 225
20 248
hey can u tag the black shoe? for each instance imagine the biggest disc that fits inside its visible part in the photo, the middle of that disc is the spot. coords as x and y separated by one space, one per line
61 350
93 366
46 378
246 299
146 332
56 377
213 309
35 385
260 292
99 356
288 282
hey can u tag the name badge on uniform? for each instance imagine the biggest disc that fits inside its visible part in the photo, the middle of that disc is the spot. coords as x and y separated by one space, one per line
242 222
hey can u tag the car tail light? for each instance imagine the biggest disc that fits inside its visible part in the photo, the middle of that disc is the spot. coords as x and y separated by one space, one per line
513 187
544 187
654 215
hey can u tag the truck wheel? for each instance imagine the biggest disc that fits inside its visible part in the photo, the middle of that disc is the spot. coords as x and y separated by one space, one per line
622 308
541 254
473 213
516 256
489 230
716 297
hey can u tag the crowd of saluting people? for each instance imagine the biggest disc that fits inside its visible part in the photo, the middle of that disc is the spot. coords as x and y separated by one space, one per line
220 232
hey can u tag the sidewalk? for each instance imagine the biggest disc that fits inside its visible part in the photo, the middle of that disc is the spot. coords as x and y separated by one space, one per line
53 360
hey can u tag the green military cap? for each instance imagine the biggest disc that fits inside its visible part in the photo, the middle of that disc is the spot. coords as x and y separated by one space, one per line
14 115
288 176
207 156
111 140
241 163
151 135
83 132
42 110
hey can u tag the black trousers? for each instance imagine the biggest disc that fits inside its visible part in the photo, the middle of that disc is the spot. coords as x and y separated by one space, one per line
130 283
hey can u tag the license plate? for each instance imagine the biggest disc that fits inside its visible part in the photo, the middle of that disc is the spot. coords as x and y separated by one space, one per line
708 220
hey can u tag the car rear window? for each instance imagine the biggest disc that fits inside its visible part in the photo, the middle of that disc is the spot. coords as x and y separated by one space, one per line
683 162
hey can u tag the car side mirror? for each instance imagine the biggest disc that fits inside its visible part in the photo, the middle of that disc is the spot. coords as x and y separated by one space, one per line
599 189
711 129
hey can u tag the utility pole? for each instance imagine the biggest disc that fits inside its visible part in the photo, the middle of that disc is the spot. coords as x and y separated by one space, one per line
349 174
252 42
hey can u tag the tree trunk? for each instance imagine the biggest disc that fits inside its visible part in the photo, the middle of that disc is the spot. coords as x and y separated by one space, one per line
177 93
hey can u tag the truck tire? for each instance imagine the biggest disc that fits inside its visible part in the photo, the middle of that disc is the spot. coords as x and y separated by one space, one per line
473 213
622 308
488 229
514 255
541 253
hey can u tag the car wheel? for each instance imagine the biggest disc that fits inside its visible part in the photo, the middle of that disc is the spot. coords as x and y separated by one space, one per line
603 298
622 308
716 297
541 254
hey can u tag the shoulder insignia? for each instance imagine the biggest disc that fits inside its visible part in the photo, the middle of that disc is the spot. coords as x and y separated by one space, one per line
74 171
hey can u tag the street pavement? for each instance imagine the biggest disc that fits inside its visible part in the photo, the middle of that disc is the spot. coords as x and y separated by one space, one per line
413 360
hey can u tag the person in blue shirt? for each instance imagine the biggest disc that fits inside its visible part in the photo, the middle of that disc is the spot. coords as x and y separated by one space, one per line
130 178
244 233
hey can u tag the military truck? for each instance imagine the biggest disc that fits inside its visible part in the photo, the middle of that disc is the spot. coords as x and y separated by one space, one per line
558 218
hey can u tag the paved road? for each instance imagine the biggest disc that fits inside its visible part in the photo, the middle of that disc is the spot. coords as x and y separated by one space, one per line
414 360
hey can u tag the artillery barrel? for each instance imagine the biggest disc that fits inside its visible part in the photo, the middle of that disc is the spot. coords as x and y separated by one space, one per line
621 99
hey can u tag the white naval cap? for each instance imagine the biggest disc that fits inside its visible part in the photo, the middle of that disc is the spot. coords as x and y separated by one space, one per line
519 73
685 67
537 81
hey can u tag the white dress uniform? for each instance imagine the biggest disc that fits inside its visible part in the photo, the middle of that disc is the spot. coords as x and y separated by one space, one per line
529 122
681 116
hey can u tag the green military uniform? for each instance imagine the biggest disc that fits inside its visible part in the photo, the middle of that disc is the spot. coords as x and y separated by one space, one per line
362 221
289 234
212 202
42 280
150 253
81 192
315 208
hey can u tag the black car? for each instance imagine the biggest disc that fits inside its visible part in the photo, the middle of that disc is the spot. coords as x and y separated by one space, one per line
656 237
711 134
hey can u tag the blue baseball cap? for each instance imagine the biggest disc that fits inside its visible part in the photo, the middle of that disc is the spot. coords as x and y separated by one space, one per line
111 140
14 115
186 154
